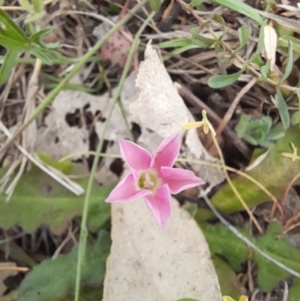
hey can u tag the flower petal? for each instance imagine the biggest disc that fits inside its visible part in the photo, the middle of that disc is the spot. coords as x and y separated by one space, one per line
167 152
160 204
136 157
126 191
179 179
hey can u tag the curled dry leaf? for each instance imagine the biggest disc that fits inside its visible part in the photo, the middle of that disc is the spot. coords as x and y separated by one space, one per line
270 45
152 264
160 108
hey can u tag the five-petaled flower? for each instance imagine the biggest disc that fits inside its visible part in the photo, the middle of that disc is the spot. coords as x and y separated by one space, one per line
153 177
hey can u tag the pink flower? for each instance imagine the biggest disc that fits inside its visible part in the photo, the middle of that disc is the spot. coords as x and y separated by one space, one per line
153 177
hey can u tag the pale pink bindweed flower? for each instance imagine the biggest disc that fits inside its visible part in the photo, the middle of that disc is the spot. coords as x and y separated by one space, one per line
153 177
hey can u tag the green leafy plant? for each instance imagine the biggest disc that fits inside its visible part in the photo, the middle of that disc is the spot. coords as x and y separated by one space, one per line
55 279
15 41
222 241
259 132
39 199
179 45
221 81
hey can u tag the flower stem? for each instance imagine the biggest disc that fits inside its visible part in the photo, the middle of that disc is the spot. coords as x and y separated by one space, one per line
84 232
232 186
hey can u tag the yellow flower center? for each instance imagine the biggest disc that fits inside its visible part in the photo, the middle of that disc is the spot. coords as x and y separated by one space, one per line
148 180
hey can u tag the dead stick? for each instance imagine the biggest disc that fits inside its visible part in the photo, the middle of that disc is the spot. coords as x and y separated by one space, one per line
234 104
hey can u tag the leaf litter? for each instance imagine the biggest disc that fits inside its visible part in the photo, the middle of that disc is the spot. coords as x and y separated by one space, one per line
144 263
84 119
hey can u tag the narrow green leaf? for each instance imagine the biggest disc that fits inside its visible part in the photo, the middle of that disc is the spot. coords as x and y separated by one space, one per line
290 62
221 81
182 49
8 63
242 8
40 34
250 139
200 40
11 29
243 34
175 43
155 4
10 43
283 109
179 50
241 127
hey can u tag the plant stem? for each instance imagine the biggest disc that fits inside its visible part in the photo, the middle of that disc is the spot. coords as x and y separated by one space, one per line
83 234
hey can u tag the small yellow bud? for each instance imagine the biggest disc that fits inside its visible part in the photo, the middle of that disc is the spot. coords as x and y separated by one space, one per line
197 124
192 125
